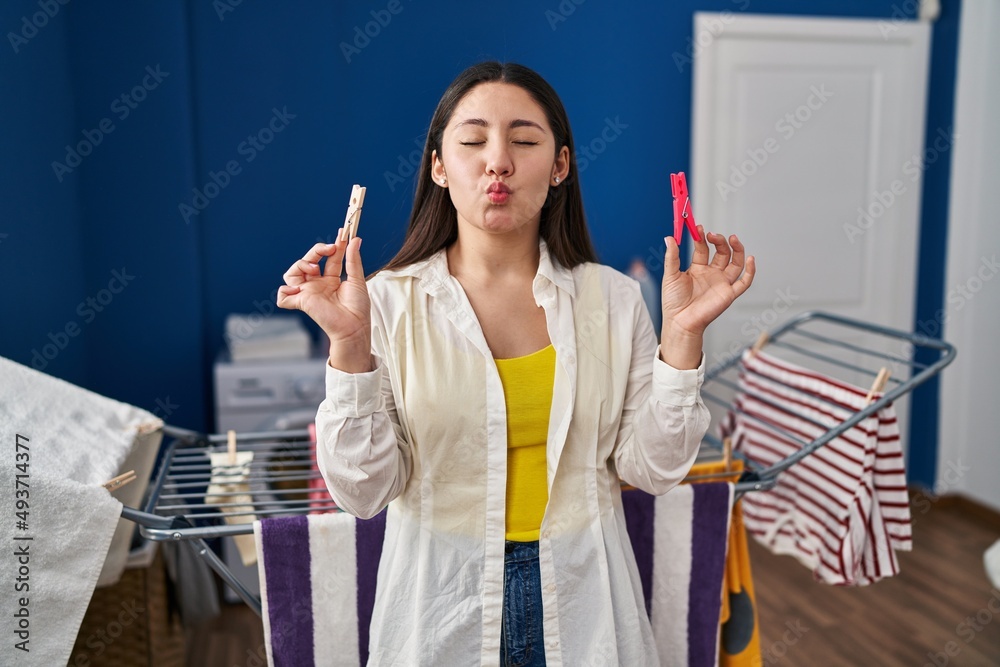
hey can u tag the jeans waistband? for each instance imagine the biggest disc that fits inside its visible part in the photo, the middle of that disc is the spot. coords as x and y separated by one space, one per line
518 552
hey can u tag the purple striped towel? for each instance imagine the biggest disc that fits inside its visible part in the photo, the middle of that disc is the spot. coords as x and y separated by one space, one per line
317 581
319 571
680 541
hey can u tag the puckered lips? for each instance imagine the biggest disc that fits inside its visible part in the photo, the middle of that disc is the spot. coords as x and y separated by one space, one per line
498 192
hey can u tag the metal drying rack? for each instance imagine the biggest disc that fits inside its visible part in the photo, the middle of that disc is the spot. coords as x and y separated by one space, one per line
282 465
905 361
277 482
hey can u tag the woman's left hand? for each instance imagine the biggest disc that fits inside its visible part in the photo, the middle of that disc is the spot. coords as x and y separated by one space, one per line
692 299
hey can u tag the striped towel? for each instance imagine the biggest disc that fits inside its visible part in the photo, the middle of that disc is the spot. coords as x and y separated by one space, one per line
843 511
317 581
336 592
679 540
740 642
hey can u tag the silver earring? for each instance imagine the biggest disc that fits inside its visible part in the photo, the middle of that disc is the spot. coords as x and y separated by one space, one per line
443 180
557 179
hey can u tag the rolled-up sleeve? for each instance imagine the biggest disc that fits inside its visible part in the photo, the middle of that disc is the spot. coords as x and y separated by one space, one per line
361 450
663 416
674 387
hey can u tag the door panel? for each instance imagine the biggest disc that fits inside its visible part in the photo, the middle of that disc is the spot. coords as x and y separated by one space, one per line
808 136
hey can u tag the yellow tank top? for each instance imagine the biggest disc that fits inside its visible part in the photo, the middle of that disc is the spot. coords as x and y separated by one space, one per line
527 387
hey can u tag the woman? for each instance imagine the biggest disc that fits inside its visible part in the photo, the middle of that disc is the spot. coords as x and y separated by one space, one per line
493 385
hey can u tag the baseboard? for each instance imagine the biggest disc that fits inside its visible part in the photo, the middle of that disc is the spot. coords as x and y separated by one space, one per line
986 515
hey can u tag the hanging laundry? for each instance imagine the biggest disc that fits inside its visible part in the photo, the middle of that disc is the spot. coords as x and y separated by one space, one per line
842 511
229 489
740 636
679 541
317 581
63 443
740 641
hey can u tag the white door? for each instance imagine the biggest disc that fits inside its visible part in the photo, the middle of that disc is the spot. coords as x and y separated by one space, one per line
808 137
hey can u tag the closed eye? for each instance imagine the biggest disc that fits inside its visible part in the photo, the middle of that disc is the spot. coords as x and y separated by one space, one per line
480 143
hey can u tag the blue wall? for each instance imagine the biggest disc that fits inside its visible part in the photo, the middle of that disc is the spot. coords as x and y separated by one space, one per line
42 260
922 463
341 123
147 345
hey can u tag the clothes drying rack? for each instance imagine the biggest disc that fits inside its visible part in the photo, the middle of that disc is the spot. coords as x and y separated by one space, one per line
282 465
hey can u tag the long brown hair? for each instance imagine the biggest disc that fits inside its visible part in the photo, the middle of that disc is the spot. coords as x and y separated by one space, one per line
433 220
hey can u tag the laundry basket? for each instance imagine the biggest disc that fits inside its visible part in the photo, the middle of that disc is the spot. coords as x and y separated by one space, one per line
131 623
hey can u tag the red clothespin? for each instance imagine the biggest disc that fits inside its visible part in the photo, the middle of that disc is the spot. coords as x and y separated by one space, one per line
683 215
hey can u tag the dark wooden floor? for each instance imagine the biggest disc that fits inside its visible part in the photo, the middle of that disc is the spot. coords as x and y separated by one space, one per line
235 638
935 605
939 603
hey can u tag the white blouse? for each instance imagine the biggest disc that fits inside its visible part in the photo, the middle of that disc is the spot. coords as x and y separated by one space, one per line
425 434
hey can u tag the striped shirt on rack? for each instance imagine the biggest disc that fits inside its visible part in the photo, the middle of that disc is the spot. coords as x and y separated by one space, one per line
842 511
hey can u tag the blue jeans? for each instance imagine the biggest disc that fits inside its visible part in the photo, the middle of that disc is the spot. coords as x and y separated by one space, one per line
521 636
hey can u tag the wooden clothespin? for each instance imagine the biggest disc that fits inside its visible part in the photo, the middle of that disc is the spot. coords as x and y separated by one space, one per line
683 215
353 218
231 447
121 480
880 380
727 453
762 340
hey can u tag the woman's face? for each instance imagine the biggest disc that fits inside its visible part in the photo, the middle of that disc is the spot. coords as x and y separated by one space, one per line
498 159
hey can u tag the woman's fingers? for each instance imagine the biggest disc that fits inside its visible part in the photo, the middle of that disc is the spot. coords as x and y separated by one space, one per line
300 271
308 266
735 268
700 254
305 279
672 258
319 251
730 256
288 297
744 281
354 268
335 263
722 251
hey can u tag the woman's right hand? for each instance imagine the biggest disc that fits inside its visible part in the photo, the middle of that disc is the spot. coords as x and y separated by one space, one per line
341 308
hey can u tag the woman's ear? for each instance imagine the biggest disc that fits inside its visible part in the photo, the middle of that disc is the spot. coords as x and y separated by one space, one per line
438 174
560 170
